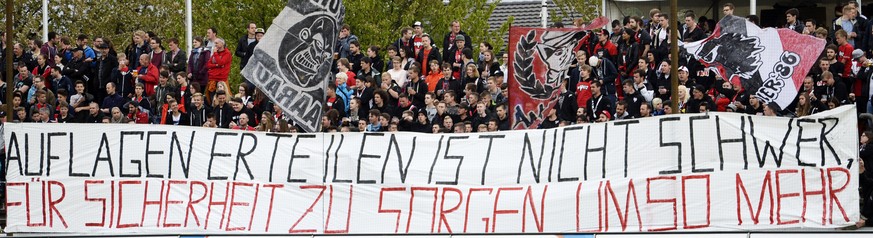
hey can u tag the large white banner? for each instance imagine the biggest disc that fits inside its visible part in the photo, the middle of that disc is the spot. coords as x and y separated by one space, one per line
673 173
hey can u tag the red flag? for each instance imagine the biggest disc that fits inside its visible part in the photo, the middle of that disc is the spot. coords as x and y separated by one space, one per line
539 58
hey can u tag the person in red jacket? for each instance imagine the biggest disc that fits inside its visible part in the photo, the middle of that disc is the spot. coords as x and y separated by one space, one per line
605 44
147 75
135 114
218 65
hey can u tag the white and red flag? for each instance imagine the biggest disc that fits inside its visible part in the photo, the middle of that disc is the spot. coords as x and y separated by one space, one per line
770 63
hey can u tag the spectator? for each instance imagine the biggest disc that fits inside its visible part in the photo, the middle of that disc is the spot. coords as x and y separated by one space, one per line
397 73
112 99
448 82
64 115
374 123
455 56
604 48
211 39
417 31
791 21
416 88
344 67
621 111
176 59
123 77
450 39
221 110
244 123
434 77
604 116
77 68
566 105
48 48
162 90
693 32
197 70
355 56
409 58
117 116
93 114
834 89
268 124
39 85
606 72
250 50
488 65
135 114
368 70
40 102
597 103
661 39
242 46
174 116
375 60
809 26
147 74
90 55
218 65
343 43
645 110
850 24
334 102
844 54
405 41
728 9
137 48
42 68
105 65
59 81
428 53
197 112
633 99
628 53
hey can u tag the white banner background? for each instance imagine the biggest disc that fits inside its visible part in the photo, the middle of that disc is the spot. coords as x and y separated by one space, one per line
174 179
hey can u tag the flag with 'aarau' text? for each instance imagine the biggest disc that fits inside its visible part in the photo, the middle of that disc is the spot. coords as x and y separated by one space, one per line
292 63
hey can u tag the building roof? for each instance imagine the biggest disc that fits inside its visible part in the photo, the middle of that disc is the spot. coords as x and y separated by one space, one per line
526 13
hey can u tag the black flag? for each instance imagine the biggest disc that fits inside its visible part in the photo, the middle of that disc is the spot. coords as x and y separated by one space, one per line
292 63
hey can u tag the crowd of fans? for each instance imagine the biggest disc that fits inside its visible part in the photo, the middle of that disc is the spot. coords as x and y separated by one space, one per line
418 85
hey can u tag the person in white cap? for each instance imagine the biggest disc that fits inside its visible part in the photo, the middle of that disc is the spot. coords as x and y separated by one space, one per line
684 77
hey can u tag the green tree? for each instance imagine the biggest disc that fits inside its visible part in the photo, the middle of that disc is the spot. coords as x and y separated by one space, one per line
589 9
378 22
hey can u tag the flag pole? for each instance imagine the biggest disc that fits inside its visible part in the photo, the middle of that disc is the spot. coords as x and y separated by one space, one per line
9 83
674 57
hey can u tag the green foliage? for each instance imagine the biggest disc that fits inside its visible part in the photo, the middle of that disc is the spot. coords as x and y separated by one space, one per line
378 22
589 9
375 22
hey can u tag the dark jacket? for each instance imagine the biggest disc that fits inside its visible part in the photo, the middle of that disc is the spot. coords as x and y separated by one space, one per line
133 52
105 67
449 44
567 106
197 66
607 72
178 63
124 83
434 54
597 104
183 119
420 88
242 47
76 70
